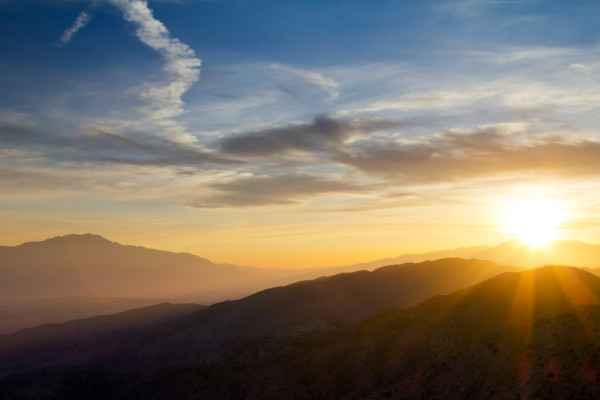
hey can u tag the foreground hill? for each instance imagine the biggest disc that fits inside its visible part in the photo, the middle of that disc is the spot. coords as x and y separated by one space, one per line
533 334
64 342
321 304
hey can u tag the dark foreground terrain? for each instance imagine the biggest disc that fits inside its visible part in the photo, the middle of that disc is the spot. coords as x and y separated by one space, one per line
531 334
168 333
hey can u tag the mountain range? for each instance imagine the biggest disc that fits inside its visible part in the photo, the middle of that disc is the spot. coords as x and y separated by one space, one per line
78 276
91 266
512 252
528 334
322 304
533 334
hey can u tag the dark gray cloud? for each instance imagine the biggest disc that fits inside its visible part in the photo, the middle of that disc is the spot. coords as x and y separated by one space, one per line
164 155
106 146
451 157
290 188
363 145
21 134
96 144
322 134
96 138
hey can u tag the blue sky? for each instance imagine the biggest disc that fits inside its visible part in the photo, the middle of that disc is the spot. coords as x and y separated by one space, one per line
223 124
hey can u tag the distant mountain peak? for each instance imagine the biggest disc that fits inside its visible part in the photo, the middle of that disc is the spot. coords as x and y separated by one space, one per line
82 236
85 238
511 252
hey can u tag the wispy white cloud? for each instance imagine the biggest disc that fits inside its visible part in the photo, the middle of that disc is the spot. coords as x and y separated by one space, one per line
82 20
501 95
329 85
432 100
182 66
511 55
471 8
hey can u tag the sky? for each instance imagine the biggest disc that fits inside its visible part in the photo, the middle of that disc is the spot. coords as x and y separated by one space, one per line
296 133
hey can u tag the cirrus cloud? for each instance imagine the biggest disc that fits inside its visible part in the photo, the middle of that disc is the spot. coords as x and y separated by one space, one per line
82 20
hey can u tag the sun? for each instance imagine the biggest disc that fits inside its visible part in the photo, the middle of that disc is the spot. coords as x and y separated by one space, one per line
535 222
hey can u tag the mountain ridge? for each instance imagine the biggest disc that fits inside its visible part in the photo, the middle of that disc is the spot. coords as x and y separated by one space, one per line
472 343
512 252
519 334
92 265
320 304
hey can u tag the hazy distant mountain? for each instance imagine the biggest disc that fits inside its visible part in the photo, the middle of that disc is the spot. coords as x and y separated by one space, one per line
514 252
78 276
90 265
320 304
533 334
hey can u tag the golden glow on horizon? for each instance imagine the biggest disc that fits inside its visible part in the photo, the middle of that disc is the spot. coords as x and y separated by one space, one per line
535 222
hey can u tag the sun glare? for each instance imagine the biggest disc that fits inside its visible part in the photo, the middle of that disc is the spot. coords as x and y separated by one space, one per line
535 222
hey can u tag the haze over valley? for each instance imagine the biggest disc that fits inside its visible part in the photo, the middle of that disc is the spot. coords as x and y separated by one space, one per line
76 276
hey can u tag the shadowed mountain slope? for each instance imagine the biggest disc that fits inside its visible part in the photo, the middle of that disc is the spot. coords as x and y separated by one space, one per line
321 304
534 334
64 342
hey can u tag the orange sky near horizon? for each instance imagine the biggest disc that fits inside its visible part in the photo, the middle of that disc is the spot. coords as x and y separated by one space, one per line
348 132
280 237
